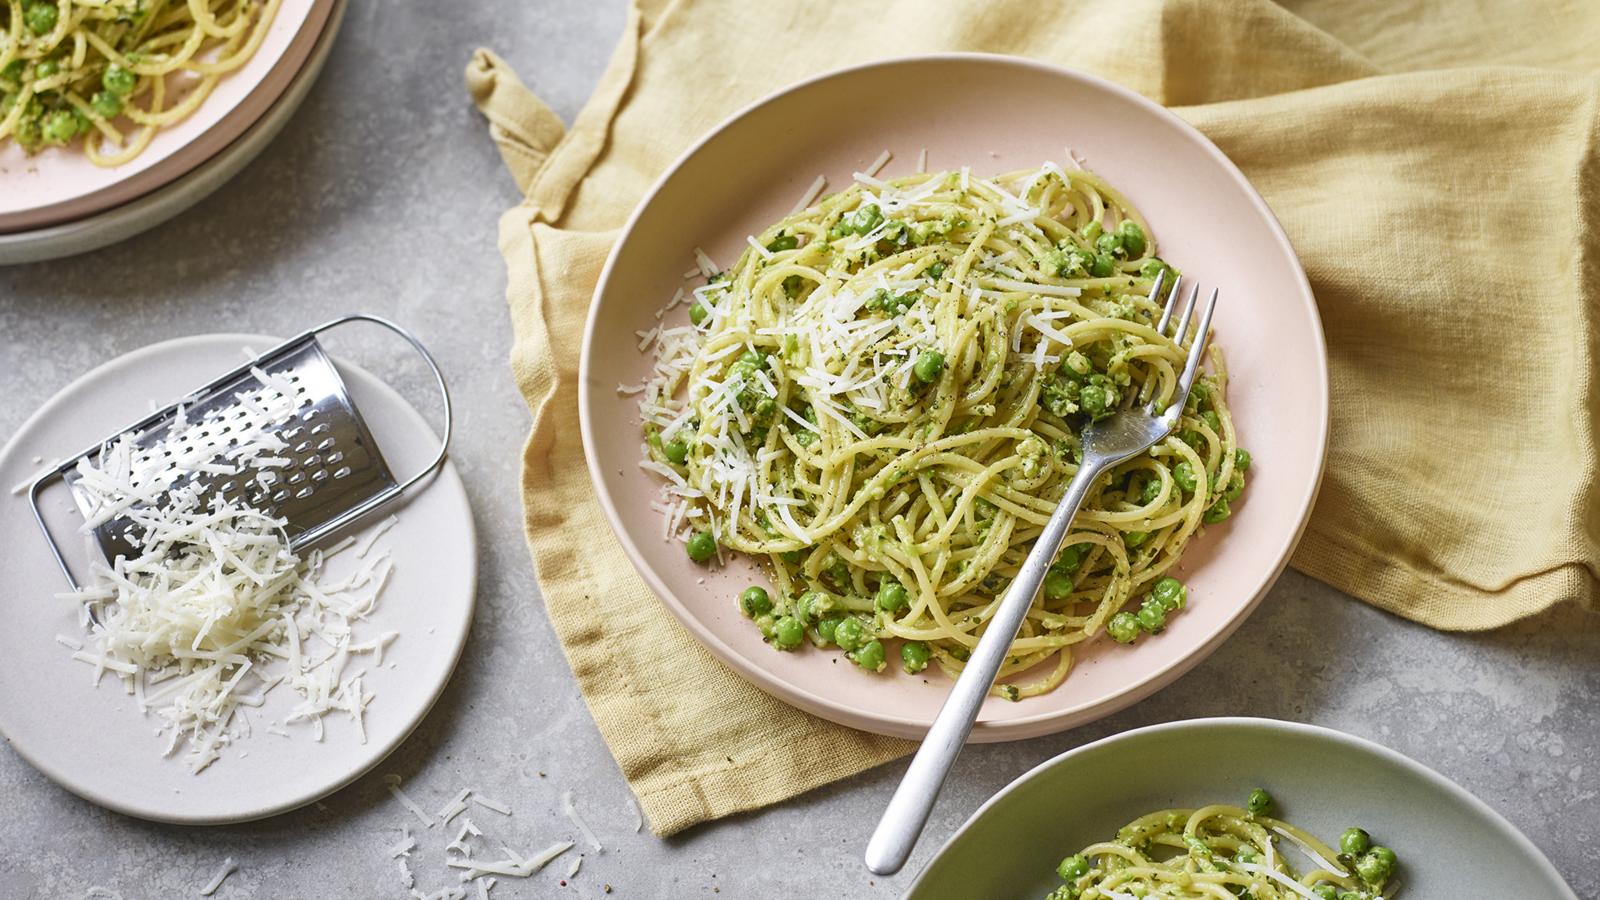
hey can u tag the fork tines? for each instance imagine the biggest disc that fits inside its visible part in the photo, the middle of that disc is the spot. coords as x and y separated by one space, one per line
1191 365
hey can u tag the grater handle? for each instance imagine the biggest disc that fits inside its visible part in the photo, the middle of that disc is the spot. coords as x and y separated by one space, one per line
379 499
38 516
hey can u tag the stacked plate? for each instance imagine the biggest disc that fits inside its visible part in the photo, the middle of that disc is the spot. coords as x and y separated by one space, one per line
57 203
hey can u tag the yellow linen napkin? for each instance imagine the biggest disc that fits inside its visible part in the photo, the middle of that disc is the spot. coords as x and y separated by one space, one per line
1435 165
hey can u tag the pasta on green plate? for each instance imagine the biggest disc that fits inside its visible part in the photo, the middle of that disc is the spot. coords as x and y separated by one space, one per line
1225 853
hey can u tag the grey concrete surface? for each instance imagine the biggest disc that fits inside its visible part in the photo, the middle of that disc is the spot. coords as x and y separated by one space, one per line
382 195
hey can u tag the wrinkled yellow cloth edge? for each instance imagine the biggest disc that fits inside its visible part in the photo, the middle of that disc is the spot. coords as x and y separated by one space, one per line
546 163
794 752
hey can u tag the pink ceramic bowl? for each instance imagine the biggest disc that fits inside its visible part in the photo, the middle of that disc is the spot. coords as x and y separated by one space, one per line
994 114
60 185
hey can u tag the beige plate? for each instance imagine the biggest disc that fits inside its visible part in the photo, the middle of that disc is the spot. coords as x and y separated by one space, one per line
993 114
92 741
61 185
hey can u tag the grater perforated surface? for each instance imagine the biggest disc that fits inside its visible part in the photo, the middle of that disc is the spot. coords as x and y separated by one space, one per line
328 464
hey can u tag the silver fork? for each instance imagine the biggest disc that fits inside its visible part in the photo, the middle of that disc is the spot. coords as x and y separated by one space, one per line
1124 435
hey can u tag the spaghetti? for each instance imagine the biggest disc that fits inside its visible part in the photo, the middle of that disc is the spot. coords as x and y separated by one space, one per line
883 399
114 72
1222 853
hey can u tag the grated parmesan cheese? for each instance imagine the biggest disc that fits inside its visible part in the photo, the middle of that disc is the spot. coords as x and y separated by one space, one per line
227 868
571 813
392 782
638 817
811 194
214 598
489 804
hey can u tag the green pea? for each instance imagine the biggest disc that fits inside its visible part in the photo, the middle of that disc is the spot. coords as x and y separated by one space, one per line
810 606
1259 802
1235 486
1109 244
850 634
914 655
783 242
1103 266
1241 459
1355 841
676 452
787 633
118 80
870 656
1213 420
1150 491
698 313
702 546
1094 400
1377 865
13 71
1153 267
892 596
1135 539
1152 616
935 271
1071 558
42 17
1073 867
1057 584
1132 237
837 571
1326 892
765 624
48 68
754 601
1170 593
1123 627
60 126
1183 474
928 366
826 629
106 104
1216 512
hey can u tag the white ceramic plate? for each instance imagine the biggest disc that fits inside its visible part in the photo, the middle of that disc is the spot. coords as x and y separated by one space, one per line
61 184
150 210
93 741
1450 843
994 114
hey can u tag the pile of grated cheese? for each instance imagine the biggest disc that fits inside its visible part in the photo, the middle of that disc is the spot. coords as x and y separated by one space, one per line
216 611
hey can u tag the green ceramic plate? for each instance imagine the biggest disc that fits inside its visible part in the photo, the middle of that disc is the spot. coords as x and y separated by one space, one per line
1450 843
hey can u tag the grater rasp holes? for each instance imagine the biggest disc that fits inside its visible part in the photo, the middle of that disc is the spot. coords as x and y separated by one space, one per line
321 460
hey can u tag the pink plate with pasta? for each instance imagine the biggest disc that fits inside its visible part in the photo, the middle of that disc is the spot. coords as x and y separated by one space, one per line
59 184
843 382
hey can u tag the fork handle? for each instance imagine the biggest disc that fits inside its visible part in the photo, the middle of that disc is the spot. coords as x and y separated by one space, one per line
913 800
